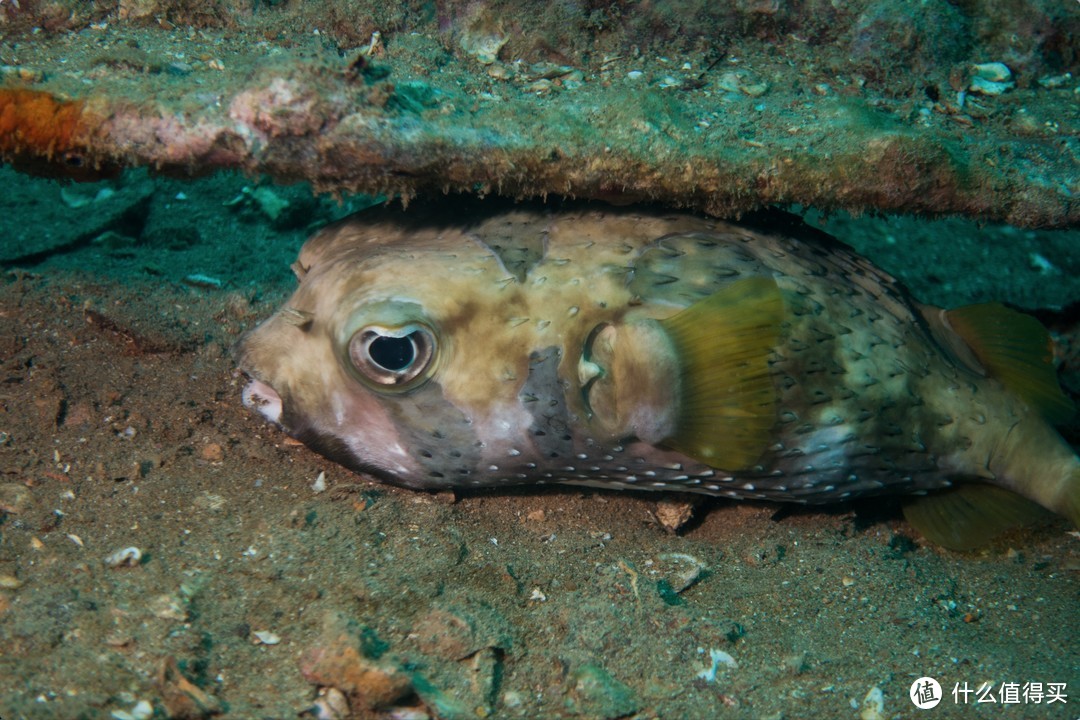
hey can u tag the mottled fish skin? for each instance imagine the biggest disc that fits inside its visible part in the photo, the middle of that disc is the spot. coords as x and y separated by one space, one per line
868 398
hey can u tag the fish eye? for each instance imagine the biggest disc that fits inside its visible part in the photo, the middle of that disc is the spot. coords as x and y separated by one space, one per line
392 357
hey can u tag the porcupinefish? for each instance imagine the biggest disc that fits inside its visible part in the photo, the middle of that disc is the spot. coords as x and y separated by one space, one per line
658 351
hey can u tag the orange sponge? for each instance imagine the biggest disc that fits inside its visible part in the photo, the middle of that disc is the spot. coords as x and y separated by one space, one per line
37 123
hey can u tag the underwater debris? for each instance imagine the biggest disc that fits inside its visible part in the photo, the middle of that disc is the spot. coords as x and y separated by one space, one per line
200 280
673 515
125 557
991 79
717 660
142 710
342 659
265 637
873 705
10 582
330 705
183 700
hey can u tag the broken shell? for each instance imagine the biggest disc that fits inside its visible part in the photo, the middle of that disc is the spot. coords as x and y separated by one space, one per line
265 637
990 79
129 556
499 71
993 71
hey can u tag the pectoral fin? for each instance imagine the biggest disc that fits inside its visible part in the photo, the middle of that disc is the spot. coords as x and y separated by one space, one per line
727 400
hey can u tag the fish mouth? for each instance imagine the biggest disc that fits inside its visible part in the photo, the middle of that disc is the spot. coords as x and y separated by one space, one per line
263 399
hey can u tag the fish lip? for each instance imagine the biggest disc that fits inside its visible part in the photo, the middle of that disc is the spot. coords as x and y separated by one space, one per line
263 399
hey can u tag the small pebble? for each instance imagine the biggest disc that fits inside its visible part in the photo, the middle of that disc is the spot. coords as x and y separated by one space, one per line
332 705
10 582
539 87
15 498
1052 82
168 607
755 89
634 75
143 710
212 452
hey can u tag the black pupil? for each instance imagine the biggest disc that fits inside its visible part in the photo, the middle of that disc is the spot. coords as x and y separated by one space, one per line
392 353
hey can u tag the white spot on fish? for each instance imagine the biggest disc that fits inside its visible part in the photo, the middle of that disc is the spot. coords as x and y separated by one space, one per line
337 403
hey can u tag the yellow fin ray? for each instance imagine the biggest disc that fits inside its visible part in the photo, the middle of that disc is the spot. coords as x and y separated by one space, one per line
727 400
1017 350
968 516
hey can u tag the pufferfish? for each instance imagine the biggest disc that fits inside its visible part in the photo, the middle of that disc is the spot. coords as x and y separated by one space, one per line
658 351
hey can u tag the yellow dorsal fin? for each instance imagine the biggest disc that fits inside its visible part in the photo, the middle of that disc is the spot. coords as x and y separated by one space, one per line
968 516
1017 350
727 401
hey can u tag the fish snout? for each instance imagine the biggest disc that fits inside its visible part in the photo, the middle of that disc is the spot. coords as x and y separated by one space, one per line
263 399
